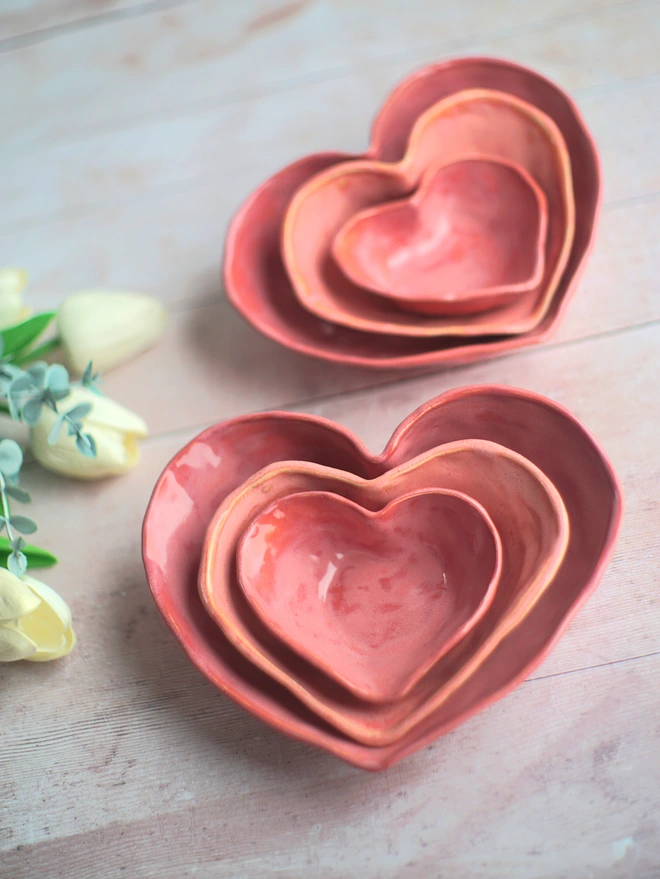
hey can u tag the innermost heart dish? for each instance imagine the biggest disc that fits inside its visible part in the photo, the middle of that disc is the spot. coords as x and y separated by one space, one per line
373 599
470 238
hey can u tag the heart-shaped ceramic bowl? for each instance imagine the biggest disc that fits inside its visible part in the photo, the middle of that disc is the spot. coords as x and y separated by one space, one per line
372 598
470 238
478 121
222 458
260 288
526 511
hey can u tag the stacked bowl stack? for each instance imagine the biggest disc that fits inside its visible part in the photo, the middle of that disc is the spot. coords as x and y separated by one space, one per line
368 604
459 235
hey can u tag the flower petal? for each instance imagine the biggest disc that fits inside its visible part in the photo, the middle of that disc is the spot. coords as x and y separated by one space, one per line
12 283
50 597
108 413
68 643
48 625
15 644
16 598
12 280
108 327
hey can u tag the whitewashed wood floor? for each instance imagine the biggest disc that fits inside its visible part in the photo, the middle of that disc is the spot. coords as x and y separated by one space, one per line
130 133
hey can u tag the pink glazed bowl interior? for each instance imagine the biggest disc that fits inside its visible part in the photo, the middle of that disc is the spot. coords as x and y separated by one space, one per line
474 121
373 599
528 516
260 287
213 465
470 238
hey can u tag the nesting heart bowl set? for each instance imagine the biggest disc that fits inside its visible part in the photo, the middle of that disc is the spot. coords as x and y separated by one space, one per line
368 604
459 235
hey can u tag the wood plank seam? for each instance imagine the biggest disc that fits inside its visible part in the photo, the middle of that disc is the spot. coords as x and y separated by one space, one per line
439 49
398 381
42 35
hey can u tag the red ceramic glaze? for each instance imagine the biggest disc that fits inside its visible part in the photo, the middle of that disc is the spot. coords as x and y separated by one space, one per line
219 460
481 120
257 282
373 599
527 514
470 238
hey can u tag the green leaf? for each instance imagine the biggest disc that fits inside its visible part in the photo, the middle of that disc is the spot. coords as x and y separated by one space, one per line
17 563
80 411
36 557
54 434
23 524
18 494
86 445
38 353
17 338
11 457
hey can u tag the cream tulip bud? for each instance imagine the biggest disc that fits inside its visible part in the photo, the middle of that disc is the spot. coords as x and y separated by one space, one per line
115 429
35 622
12 284
108 328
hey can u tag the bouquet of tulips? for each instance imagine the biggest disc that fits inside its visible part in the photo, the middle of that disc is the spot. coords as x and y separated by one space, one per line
73 430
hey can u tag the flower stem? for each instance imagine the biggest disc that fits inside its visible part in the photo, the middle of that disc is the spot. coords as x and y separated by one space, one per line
6 512
38 352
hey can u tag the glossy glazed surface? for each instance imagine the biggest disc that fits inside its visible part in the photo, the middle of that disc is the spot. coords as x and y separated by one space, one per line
373 599
257 282
470 238
478 121
217 462
526 512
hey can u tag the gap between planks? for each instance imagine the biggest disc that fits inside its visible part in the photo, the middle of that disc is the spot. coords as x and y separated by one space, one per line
399 381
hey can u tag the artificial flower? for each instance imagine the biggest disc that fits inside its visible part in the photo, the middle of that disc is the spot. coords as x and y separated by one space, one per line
113 430
108 328
12 284
35 622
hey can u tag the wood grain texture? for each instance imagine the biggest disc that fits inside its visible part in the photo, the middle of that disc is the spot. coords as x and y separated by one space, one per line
130 141
211 52
37 20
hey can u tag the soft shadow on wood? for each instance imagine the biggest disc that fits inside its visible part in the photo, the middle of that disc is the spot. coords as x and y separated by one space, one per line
151 658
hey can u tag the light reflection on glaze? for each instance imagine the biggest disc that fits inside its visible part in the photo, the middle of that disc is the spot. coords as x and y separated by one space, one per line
371 597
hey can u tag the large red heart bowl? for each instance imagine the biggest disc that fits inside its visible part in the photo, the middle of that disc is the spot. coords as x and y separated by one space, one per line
260 287
221 459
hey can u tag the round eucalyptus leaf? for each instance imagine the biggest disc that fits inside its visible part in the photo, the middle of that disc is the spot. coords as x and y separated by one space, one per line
23 524
82 410
57 378
11 457
17 563
38 373
18 494
86 445
32 410
54 434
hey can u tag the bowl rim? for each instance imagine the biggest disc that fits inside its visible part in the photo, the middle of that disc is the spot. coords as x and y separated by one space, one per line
304 343
342 253
376 759
455 634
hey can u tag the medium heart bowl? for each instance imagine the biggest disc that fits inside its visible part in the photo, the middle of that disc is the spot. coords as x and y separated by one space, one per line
204 474
470 123
357 329
527 514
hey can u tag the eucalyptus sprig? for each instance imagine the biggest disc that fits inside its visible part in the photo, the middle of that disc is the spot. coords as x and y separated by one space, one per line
23 395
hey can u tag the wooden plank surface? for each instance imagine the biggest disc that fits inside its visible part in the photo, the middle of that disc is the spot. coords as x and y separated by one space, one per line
133 130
